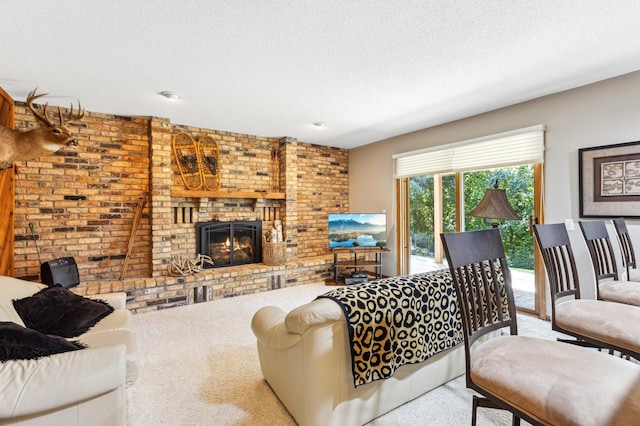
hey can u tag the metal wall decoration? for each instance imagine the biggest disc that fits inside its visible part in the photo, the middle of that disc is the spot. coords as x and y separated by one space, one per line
610 180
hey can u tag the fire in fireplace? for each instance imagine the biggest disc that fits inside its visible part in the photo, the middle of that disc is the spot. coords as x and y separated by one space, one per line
230 243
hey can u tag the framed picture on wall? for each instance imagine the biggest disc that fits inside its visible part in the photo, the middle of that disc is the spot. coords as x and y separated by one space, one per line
610 180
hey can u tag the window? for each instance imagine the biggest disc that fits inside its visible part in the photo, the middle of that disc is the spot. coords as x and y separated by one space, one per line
444 183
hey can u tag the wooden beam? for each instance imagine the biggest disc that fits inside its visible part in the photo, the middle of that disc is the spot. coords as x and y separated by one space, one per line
228 194
7 204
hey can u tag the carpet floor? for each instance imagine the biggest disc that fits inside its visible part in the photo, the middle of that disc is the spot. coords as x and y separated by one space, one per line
199 366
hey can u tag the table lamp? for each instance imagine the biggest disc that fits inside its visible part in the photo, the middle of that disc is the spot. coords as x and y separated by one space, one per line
494 205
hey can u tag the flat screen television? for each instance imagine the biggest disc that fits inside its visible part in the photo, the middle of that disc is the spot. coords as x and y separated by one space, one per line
357 230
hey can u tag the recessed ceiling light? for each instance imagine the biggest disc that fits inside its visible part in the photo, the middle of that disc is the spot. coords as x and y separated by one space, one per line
320 124
172 96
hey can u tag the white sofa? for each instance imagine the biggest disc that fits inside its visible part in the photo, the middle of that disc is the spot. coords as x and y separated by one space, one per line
305 356
82 387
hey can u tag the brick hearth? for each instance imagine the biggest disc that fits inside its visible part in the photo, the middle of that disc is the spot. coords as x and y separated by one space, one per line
81 202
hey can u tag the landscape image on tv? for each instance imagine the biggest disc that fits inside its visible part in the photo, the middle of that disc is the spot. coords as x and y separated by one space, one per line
357 230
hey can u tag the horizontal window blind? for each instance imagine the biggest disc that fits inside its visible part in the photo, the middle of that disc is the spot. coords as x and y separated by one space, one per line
517 147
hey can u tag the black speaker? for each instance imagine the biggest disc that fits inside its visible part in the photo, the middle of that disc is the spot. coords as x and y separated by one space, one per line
63 271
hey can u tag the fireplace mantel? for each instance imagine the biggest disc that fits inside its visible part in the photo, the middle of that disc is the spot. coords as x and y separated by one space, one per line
228 194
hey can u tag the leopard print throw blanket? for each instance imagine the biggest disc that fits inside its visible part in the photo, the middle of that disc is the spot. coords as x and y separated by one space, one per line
397 321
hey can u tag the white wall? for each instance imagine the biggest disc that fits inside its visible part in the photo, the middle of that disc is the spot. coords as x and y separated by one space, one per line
603 113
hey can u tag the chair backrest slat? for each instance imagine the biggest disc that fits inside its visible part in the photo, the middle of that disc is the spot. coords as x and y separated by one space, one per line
600 250
482 282
626 246
555 246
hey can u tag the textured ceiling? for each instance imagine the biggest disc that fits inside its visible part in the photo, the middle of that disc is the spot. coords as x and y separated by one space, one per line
369 69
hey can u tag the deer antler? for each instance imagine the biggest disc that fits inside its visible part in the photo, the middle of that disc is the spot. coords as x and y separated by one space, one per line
37 114
43 115
71 118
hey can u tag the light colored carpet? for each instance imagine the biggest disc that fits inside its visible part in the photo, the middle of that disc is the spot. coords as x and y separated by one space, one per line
199 366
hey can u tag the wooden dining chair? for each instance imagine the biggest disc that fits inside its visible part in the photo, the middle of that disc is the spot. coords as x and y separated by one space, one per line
626 248
597 323
605 267
544 382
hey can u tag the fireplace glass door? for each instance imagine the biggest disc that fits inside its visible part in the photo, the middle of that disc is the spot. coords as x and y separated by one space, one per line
230 243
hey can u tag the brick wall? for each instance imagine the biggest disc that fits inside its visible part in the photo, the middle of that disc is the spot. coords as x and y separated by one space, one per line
81 202
323 188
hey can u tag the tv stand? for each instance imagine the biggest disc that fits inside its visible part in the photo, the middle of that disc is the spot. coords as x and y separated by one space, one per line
347 260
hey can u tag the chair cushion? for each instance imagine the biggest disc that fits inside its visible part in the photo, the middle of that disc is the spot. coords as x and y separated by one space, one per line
18 342
620 291
605 321
56 310
558 383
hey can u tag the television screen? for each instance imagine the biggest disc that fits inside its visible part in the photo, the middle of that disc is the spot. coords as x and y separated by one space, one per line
358 230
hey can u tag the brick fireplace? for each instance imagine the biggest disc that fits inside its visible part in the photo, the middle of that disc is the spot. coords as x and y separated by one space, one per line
81 202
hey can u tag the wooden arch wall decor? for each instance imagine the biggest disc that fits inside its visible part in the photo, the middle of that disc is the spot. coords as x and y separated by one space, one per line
7 204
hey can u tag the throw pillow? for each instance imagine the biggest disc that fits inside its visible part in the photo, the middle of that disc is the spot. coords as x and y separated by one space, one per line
18 342
56 310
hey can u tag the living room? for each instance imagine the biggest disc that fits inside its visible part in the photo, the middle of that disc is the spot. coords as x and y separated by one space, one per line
80 202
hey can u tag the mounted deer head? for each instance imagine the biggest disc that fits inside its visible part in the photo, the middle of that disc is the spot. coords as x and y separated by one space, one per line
18 145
